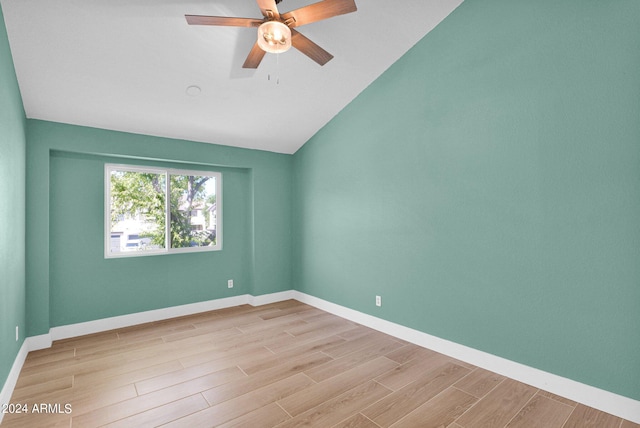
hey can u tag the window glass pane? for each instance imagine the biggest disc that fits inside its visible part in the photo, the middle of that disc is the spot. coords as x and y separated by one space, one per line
138 211
193 211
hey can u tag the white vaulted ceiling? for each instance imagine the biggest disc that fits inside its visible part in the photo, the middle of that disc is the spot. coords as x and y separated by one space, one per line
126 65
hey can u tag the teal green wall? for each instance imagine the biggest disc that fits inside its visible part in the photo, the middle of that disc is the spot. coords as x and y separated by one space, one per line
487 186
69 279
12 205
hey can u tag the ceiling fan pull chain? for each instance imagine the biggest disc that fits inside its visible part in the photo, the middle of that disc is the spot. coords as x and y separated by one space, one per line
277 72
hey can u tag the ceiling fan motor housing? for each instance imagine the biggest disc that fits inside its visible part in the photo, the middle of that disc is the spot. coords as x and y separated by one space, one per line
274 37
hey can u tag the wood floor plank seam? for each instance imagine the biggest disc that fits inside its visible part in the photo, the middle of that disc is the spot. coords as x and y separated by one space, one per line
240 368
284 410
364 416
477 402
442 410
574 409
558 399
116 421
543 409
350 417
520 409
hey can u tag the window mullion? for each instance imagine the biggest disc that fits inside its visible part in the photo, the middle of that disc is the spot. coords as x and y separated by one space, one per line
167 220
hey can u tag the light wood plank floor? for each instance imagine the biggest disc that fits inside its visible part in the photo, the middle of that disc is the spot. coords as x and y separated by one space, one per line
279 365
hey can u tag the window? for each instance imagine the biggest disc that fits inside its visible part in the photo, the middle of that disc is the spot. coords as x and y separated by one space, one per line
159 211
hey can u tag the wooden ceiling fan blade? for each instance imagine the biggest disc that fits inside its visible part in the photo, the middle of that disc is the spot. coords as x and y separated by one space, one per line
268 8
226 21
309 48
318 11
254 58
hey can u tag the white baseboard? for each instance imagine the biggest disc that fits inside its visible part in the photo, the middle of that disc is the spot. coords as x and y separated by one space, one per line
105 324
265 299
90 327
600 399
12 378
42 341
597 398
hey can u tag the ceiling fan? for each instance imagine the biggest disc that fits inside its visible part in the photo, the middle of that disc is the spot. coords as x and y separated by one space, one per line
277 32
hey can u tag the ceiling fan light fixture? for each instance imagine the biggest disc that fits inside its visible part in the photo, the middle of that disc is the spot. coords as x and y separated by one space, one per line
274 37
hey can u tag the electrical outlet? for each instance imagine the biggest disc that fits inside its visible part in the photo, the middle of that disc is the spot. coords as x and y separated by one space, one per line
378 301
230 283
17 333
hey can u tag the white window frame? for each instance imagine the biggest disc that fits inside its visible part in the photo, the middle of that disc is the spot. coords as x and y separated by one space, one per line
109 167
